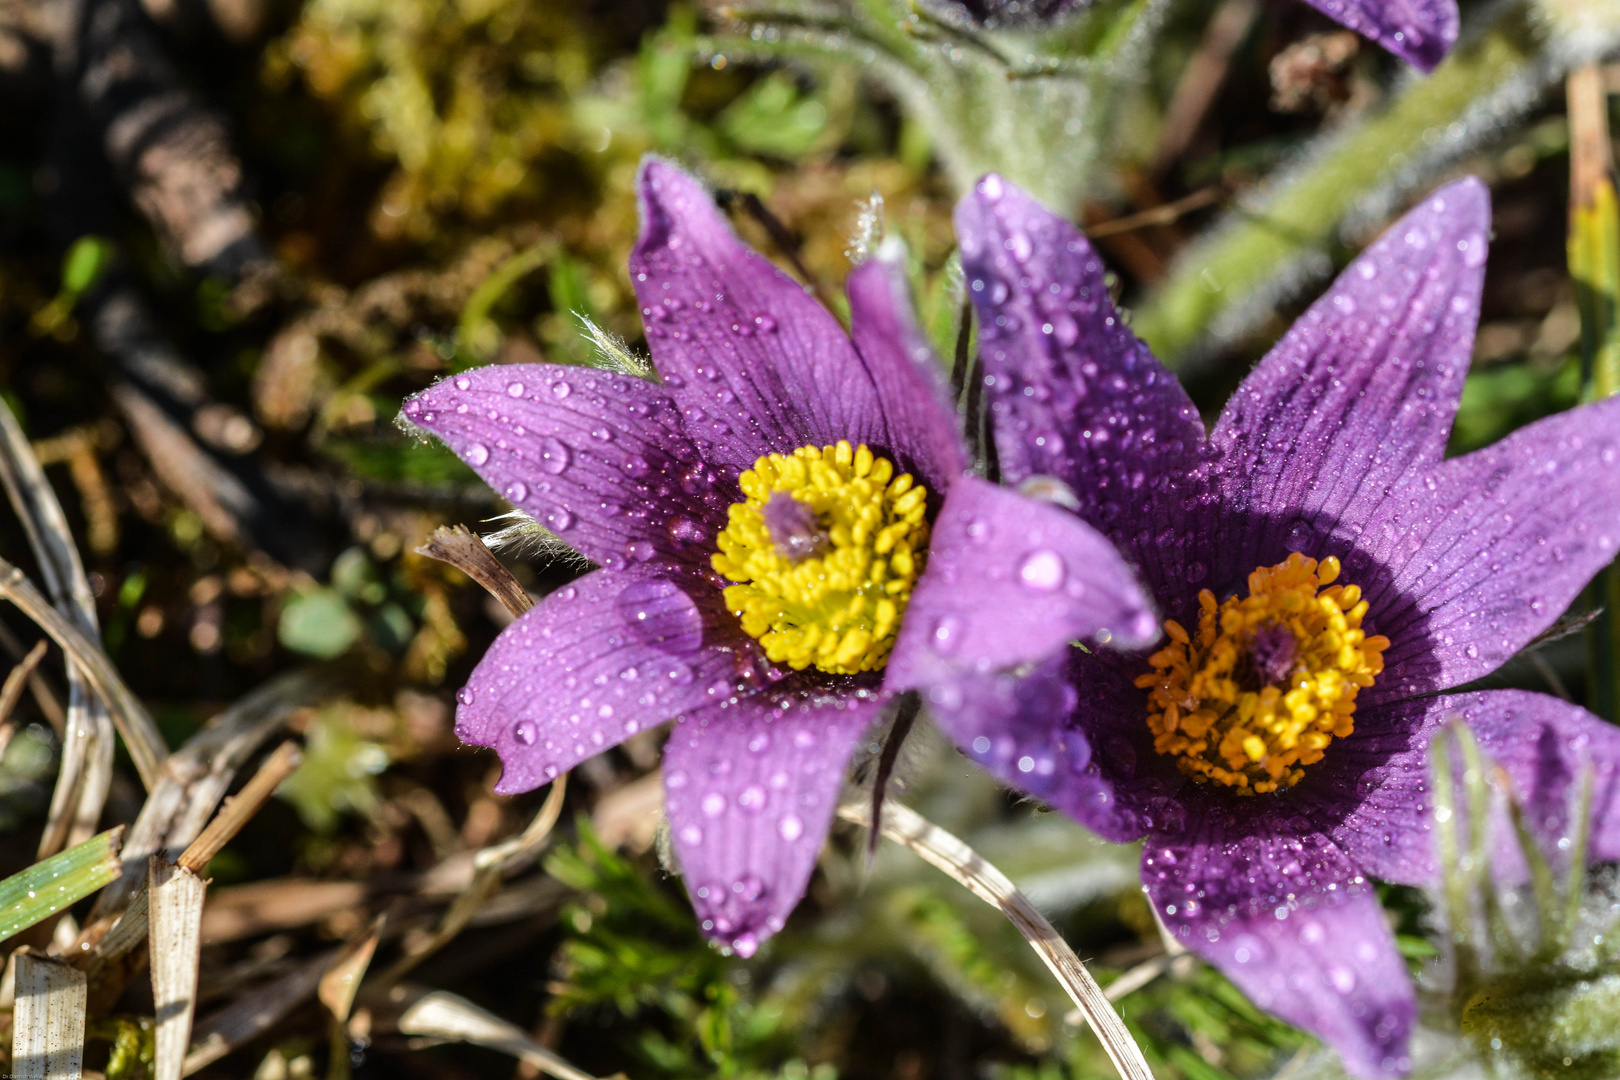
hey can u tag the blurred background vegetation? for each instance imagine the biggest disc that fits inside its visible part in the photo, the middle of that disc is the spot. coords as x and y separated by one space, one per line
403 188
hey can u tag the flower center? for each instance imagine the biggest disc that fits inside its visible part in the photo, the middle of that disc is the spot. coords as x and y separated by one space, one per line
1270 680
824 550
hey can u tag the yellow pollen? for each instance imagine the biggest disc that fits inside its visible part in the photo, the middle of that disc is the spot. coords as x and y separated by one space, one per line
1269 680
836 605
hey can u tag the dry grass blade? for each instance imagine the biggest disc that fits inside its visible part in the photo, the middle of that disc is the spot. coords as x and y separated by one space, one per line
441 1015
936 846
85 775
491 864
241 807
117 955
196 777
140 734
336 991
11 693
175 894
255 1013
463 549
47 1036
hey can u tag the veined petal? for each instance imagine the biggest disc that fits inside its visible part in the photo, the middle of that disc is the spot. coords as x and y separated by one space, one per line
595 662
1493 546
750 790
1287 917
1420 32
922 424
1011 580
1357 399
755 364
1073 393
598 458
1545 745
1371 795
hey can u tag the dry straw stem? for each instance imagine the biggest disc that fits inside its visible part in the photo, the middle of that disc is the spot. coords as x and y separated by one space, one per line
140 734
465 550
85 775
47 1035
253 1014
196 777
442 1015
490 865
175 894
117 956
11 693
936 846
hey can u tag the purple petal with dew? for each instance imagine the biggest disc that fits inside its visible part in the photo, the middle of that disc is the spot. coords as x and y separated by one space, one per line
1072 393
750 790
1287 917
600 459
754 362
1370 794
1031 731
923 429
597 661
1011 580
1420 32
1545 746
1492 547
1356 401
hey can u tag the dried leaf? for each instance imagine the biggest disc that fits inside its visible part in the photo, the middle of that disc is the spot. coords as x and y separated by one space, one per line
47 1037
442 1015
176 899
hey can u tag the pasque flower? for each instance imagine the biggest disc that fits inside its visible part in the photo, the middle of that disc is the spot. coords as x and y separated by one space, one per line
759 520
1420 32
1324 574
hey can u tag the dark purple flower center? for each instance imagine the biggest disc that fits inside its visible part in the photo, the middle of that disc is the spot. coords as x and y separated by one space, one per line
1271 654
793 526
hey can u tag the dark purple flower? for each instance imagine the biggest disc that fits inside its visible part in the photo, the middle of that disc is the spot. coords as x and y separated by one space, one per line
1323 571
759 520
1420 32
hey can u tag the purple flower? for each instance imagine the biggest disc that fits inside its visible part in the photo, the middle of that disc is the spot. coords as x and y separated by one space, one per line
1324 574
1420 32
760 520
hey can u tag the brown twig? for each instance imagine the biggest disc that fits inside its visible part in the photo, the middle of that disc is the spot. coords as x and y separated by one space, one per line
1167 214
11 693
1201 79
140 734
239 809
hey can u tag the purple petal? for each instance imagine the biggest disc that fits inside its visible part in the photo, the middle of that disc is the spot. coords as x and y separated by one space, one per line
922 423
1073 394
750 790
754 362
1493 546
1031 731
1370 794
1358 397
595 662
1420 32
600 459
1287 917
1545 745
1011 580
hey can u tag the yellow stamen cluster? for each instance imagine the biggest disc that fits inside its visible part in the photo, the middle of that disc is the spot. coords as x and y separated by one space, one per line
838 609
1210 703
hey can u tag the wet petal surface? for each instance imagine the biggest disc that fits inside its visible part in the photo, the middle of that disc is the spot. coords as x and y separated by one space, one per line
750 789
600 459
1420 32
595 662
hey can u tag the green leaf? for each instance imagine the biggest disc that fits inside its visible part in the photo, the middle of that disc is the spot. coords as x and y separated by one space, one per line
37 893
83 264
318 622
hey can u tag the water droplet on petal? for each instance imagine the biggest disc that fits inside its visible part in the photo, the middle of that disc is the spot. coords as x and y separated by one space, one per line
790 828
1042 570
514 389
477 454
517 491
525 732
559 520
714 804
553 455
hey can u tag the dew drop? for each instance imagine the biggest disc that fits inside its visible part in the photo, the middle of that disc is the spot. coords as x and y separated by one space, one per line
713 804
752 798
553 455
1042 570
790 828
947 635
514 389
690 835
477 454
525 732
559 519
517 491
560 390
